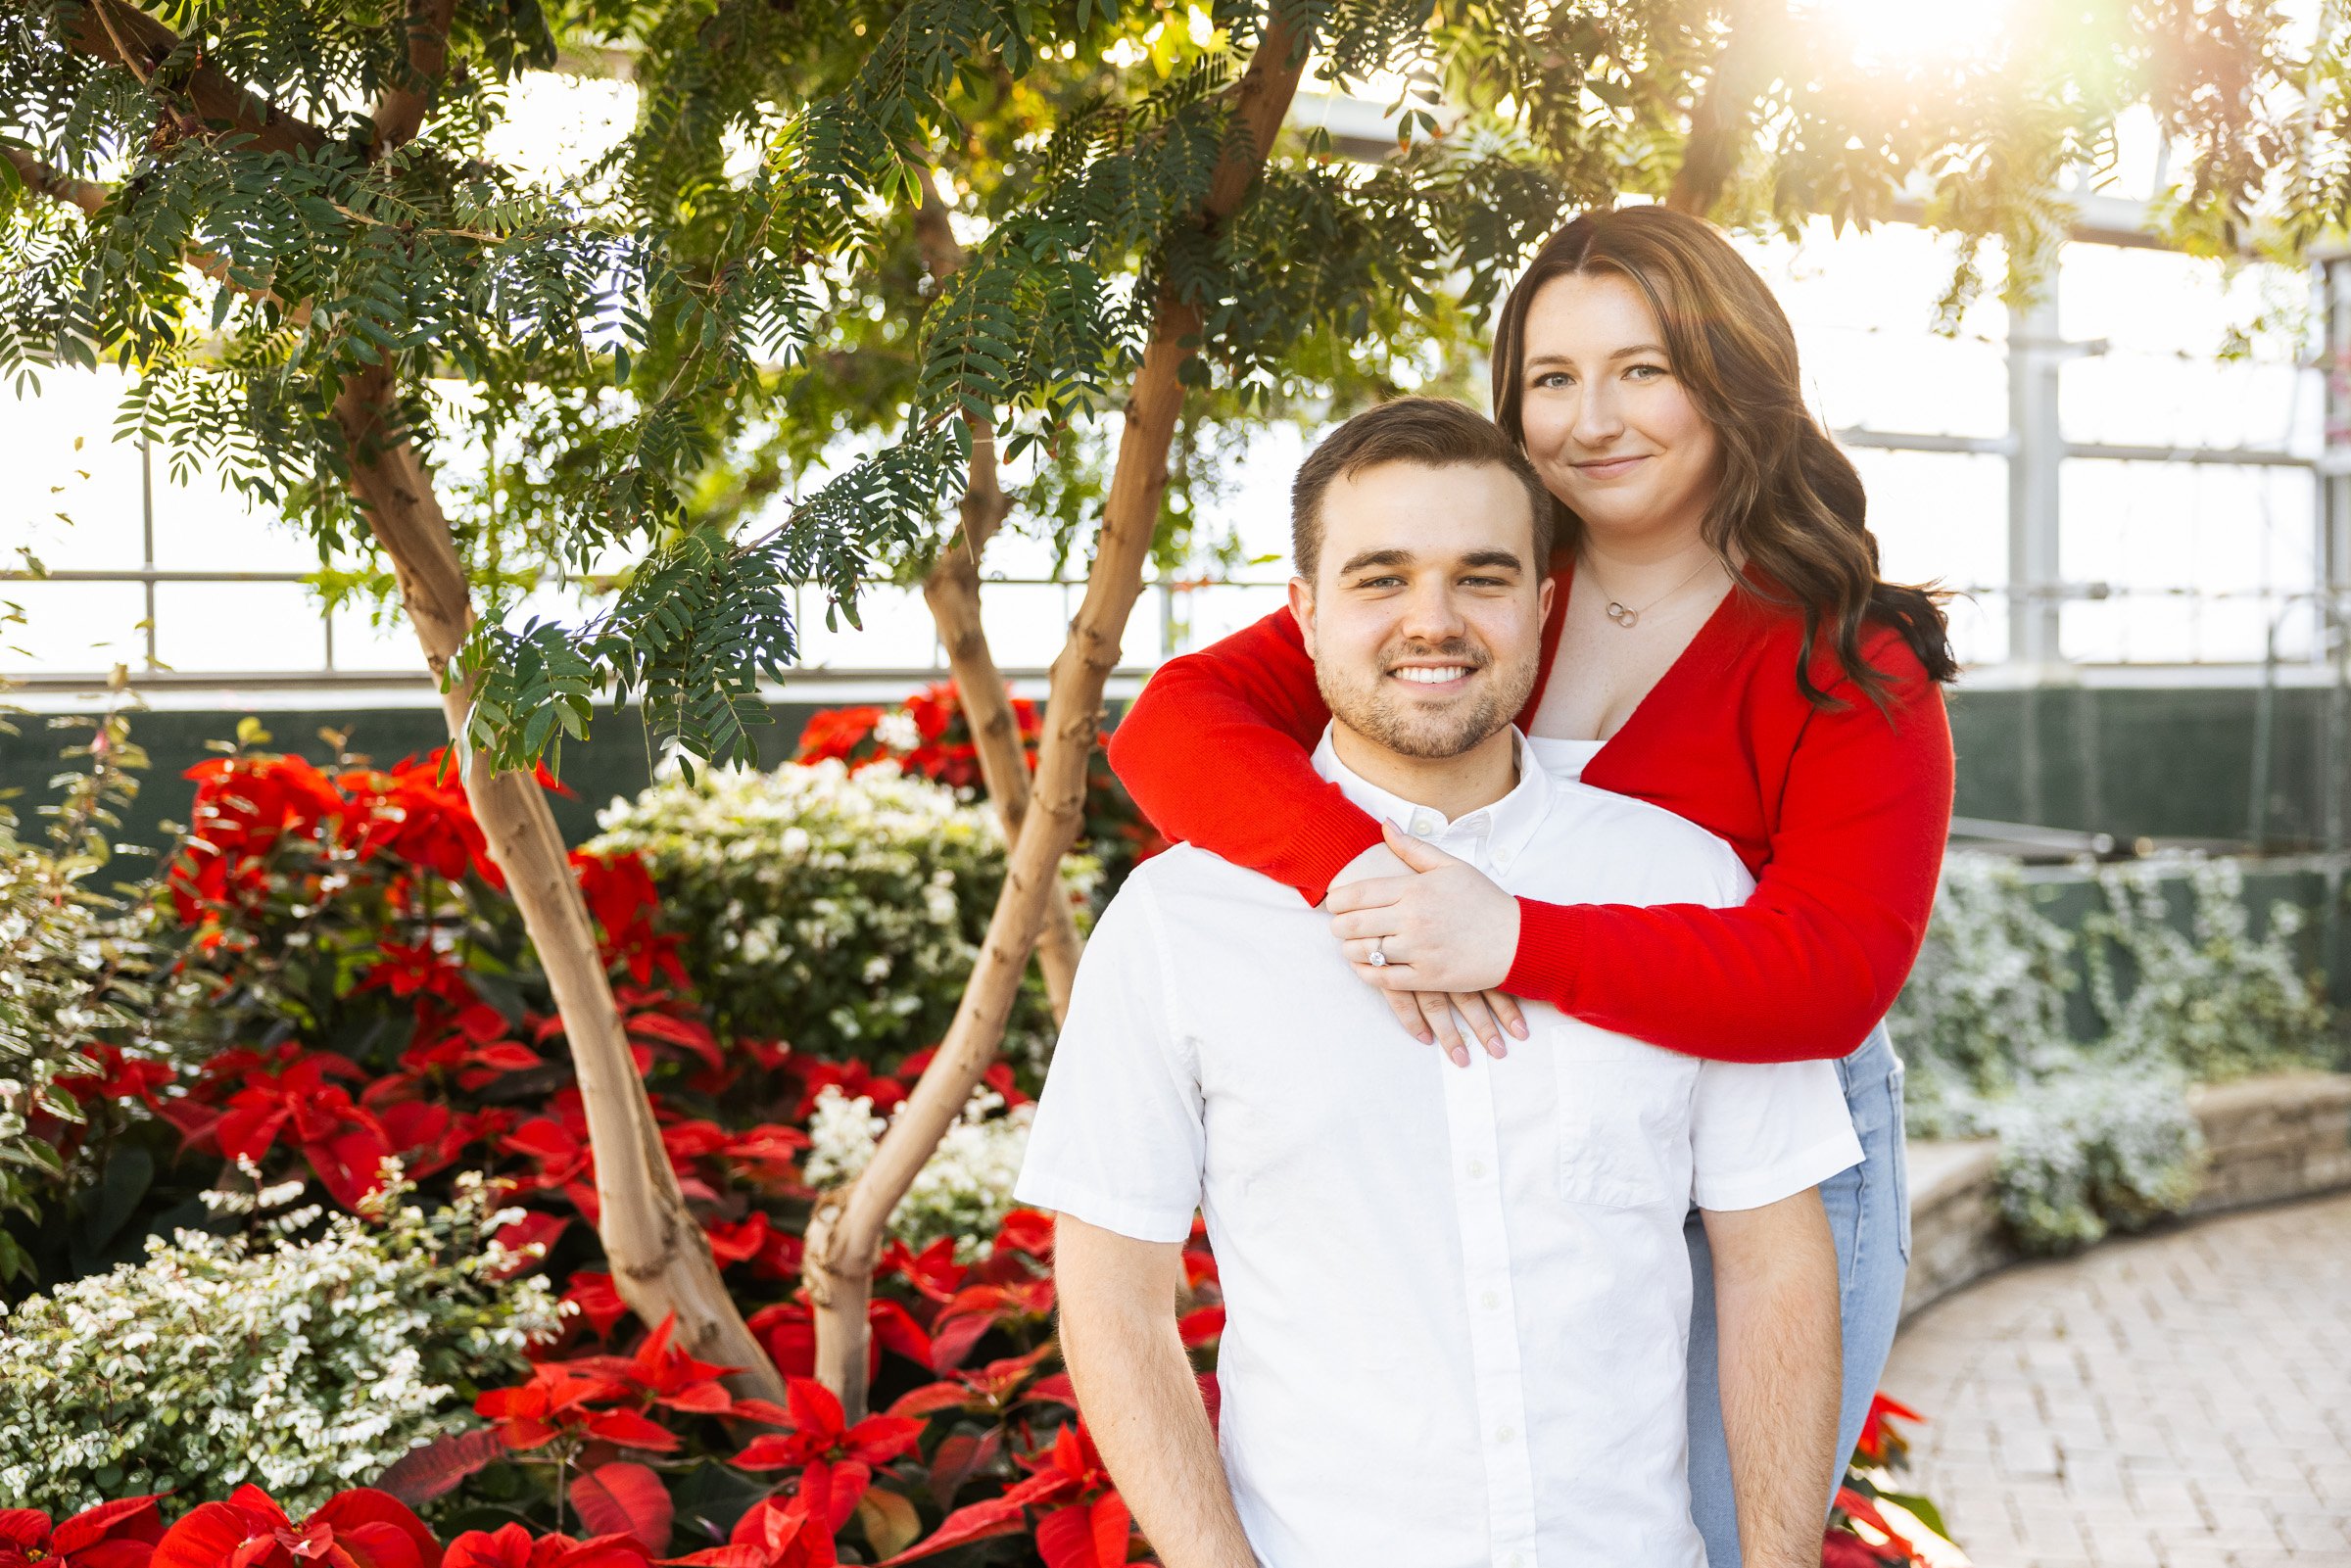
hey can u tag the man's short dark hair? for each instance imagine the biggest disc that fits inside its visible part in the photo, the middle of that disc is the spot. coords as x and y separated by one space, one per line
1430 431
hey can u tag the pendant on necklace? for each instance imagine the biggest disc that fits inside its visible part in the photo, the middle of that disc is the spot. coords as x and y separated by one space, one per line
1622 616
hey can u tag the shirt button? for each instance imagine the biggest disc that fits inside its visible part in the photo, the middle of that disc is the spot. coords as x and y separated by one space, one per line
1477 1169
1504 1434
1490 1298
1425 825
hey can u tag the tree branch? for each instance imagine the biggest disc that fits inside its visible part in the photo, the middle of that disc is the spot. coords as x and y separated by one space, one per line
87 195
951 588
124 35
1720 121
844 1233
399 113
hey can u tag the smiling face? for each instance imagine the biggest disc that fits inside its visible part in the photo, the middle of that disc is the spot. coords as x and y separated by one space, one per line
1426 613
1607 424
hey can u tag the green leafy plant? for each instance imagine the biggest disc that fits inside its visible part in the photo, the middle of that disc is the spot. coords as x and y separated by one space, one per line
81 997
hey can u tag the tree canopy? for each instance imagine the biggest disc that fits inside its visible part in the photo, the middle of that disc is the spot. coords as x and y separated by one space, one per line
261 205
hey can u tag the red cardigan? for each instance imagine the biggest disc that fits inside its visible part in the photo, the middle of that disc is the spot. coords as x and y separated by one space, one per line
1841 813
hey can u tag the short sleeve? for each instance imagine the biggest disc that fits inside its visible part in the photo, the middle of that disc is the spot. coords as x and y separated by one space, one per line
1763 1131
1120 1135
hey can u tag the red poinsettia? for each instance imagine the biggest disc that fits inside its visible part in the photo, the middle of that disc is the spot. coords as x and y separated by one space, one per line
418 811
562 1399
510 1546
1854 1506
1878 1439
120 1534
243 808
988 1390
363 1528
593 1292
838 735
819 1433
613 1396
781 1533
119 1076
287 1092
934 1270
621 894
1083 1522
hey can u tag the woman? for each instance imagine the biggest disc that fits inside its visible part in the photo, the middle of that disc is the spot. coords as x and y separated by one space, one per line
1722 645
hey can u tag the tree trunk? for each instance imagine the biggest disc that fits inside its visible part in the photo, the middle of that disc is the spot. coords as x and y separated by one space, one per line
662 1262
1721 120
952 590
846 1234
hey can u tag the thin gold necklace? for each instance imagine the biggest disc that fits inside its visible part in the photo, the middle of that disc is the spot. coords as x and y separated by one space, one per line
1627 617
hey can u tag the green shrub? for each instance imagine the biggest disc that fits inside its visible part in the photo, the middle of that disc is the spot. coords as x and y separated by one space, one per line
75 973
304 1366
841 912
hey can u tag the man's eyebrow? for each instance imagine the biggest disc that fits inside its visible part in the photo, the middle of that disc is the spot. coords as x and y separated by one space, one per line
1376 557
1494 557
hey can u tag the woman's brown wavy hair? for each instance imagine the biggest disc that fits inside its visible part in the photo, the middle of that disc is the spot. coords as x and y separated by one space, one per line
1786 501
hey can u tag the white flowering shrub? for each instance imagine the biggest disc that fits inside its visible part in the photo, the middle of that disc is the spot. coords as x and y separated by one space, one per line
2211 998
841 912
964 1190
304 1366
2096 1134
1985 1008
2106 1145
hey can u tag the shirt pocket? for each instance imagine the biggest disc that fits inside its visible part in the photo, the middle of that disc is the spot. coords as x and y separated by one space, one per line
1623 1120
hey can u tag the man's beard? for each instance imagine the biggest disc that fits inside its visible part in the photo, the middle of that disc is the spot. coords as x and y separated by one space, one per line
1378 710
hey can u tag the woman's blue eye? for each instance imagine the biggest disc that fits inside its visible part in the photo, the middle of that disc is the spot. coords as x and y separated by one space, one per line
1646 372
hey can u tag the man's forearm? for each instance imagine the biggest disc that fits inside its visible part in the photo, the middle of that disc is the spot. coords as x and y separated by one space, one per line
1781 1364
1141 1403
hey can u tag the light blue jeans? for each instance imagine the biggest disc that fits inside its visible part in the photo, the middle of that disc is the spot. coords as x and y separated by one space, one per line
1869 1211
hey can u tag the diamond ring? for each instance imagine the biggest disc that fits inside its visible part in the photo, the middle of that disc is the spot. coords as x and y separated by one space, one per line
1379 960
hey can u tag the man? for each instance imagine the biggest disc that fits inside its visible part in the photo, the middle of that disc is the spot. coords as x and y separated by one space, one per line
1457 1298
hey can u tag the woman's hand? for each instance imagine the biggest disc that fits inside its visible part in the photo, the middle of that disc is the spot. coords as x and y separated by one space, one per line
1447 934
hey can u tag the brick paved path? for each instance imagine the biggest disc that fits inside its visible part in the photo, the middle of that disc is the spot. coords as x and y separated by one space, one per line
2176 1401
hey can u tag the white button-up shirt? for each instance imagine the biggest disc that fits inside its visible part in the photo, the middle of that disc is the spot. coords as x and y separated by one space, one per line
1458 1300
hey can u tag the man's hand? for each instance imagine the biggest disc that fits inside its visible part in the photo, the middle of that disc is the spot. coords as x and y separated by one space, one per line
1139 1398
1781 1358
1441 925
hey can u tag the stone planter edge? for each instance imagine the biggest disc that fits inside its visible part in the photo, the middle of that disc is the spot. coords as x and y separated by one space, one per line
2277 1136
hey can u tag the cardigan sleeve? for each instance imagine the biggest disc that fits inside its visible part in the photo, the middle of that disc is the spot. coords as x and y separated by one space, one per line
1218 752
1810 963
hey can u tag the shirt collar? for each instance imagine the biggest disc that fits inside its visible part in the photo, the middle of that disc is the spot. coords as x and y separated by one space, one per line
1501 828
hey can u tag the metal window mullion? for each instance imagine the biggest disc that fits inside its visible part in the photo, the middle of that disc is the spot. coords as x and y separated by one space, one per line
2037 452
147 539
